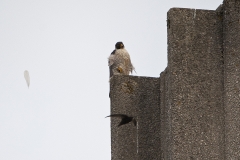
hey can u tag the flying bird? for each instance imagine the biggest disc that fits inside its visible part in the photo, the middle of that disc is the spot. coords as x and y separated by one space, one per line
27 77
125 119
119 61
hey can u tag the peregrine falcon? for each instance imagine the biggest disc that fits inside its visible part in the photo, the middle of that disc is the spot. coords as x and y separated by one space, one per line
119 61
125 119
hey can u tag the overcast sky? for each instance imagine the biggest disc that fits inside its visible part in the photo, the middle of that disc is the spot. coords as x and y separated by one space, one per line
64 44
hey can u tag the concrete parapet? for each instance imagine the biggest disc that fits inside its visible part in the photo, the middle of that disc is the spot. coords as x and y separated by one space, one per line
138 97
195 73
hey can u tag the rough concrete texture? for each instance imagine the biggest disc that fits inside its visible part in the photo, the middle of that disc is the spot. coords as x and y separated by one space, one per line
138 97
166 147
231 50
192 112
195 85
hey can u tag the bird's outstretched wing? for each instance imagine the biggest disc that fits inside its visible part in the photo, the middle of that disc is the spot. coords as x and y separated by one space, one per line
118 115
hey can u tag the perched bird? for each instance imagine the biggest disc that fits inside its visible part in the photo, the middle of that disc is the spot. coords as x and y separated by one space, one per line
119 61
125 119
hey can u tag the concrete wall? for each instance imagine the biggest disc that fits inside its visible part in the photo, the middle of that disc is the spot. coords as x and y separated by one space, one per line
231 50
195 73
192 112
139 97
165 116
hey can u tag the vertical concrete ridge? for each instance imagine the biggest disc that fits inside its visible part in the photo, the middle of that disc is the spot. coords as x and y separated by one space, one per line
231 46
166 138
195 84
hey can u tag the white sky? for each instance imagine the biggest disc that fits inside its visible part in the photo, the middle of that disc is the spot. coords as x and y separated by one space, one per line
64 44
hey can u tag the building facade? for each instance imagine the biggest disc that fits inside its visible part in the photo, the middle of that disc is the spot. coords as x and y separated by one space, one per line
192 111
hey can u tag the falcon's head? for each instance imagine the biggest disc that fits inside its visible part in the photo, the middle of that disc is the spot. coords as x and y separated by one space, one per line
119 45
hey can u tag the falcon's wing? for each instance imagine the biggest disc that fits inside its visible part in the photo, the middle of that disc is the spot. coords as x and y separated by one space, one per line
118 115
111 60
113 52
